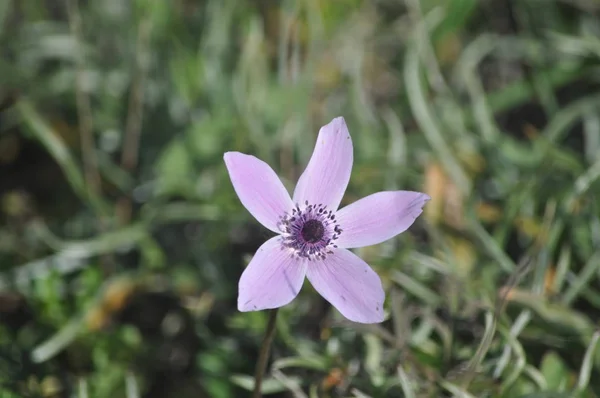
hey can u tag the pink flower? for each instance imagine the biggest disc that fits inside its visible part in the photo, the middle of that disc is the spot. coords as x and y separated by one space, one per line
313 235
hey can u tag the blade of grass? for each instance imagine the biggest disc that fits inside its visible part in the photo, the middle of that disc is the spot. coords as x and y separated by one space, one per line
518 326
416 288
82 388
480 353
490 245
585 181
132 387
58 150
511 337
84 109
467 65
587 273
591 131
426 119
405 383
293 385
586 366
556 314
518 92
536 376
566 117
563 266
57 343
455 390
429 262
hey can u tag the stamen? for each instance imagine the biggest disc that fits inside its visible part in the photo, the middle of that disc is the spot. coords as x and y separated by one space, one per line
310 231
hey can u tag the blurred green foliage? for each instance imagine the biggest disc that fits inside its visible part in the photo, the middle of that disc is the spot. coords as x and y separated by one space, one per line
122 241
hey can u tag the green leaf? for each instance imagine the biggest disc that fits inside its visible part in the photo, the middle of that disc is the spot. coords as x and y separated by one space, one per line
554 370
175 168
315 363
269 385
457 15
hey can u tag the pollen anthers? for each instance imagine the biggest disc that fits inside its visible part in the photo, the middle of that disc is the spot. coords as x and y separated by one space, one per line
310 231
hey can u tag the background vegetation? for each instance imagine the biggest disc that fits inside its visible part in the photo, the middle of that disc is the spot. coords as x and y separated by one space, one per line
122 241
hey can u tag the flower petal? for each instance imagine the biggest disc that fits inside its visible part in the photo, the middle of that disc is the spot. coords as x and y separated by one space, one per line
259 188
378 217
350 285
272 279
327 174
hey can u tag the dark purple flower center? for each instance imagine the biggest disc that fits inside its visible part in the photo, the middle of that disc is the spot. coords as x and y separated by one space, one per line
310 232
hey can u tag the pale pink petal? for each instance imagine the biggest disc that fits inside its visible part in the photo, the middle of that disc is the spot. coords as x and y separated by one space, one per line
378 217
272 279
326 176
350 285
259 188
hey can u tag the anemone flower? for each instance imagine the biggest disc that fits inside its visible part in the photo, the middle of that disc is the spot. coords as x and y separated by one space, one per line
313 236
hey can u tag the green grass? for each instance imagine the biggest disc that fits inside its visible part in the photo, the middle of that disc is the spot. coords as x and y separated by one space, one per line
489 107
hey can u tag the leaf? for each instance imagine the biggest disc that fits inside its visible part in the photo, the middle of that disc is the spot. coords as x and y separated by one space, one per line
269 385
374 358
175 168
554 370
315 363
457 15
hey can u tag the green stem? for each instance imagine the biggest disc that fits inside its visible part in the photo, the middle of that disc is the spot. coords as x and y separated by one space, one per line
263 356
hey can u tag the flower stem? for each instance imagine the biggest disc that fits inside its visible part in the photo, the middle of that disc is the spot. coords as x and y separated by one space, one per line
263 355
